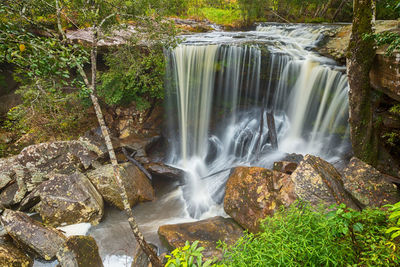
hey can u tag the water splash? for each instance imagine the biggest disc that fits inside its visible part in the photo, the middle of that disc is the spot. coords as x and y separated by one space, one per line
220 87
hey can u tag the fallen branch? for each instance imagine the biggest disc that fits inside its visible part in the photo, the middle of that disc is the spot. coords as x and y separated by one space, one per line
137 163
215 173
272 130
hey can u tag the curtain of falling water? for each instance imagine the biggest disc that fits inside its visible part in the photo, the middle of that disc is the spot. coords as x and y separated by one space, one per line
215 93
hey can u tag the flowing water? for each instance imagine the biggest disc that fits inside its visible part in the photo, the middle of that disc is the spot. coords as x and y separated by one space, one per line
221 87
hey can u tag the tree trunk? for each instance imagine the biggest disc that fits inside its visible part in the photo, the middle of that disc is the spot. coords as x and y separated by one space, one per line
360 57
340 8
127 208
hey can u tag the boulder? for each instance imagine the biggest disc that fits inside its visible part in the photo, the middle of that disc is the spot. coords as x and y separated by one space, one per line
137 185
368 185
385 74
207 232
9 196
318 182
66 199
160 169
37 163
11 256
7 172
79 251
32 235
140 259
285 166
253 193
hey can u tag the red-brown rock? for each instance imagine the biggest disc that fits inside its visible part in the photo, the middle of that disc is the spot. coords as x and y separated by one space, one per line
254 193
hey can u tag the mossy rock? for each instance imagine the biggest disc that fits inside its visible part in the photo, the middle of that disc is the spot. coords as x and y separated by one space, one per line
79 251
11 256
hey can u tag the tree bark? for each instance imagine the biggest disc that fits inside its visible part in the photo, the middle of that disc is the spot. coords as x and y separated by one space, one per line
152 255
362 101
340 8
127 208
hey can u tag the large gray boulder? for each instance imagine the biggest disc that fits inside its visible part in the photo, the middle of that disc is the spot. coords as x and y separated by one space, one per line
66 199
368 185
37 163
137 185
318 182
32 235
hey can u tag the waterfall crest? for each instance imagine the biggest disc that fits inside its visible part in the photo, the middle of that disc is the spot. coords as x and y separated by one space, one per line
221 85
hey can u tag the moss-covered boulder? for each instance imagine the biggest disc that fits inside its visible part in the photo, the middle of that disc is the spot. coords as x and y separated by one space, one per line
37 163
31 235
66 199
11 256
207 232
79 251
6 171
318 182
253 193
368 185
137 185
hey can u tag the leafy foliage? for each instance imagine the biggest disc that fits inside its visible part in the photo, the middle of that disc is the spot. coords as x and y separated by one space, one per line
395 218
136 70
46 65
391 39
301 236
188 256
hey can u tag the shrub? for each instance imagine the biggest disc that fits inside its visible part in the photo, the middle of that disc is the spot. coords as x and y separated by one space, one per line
303 236
188 256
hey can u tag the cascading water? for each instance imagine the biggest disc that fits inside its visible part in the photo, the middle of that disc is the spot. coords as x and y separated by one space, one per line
222 85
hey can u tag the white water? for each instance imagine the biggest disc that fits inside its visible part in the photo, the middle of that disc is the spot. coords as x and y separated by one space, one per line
219 83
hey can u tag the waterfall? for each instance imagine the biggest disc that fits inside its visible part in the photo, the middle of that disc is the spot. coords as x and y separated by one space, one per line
218 85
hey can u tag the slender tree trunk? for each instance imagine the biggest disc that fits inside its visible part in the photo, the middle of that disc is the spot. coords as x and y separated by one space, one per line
360 57
325 9
340 8
127 208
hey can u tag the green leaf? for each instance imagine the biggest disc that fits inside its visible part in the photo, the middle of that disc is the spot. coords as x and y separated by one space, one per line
358 227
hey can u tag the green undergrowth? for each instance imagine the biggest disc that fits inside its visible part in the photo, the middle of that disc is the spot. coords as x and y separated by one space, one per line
305 236
225 17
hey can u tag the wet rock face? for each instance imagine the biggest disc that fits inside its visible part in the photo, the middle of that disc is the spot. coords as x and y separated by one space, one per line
11 256
137 185
207 232
368 185
79 251
253 193
385 75
32 235
285 166
67 199
37 163
318 182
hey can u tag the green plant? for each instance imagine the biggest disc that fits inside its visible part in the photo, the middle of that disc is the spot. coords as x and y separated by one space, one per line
395 218
188 256
391 39
304 236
